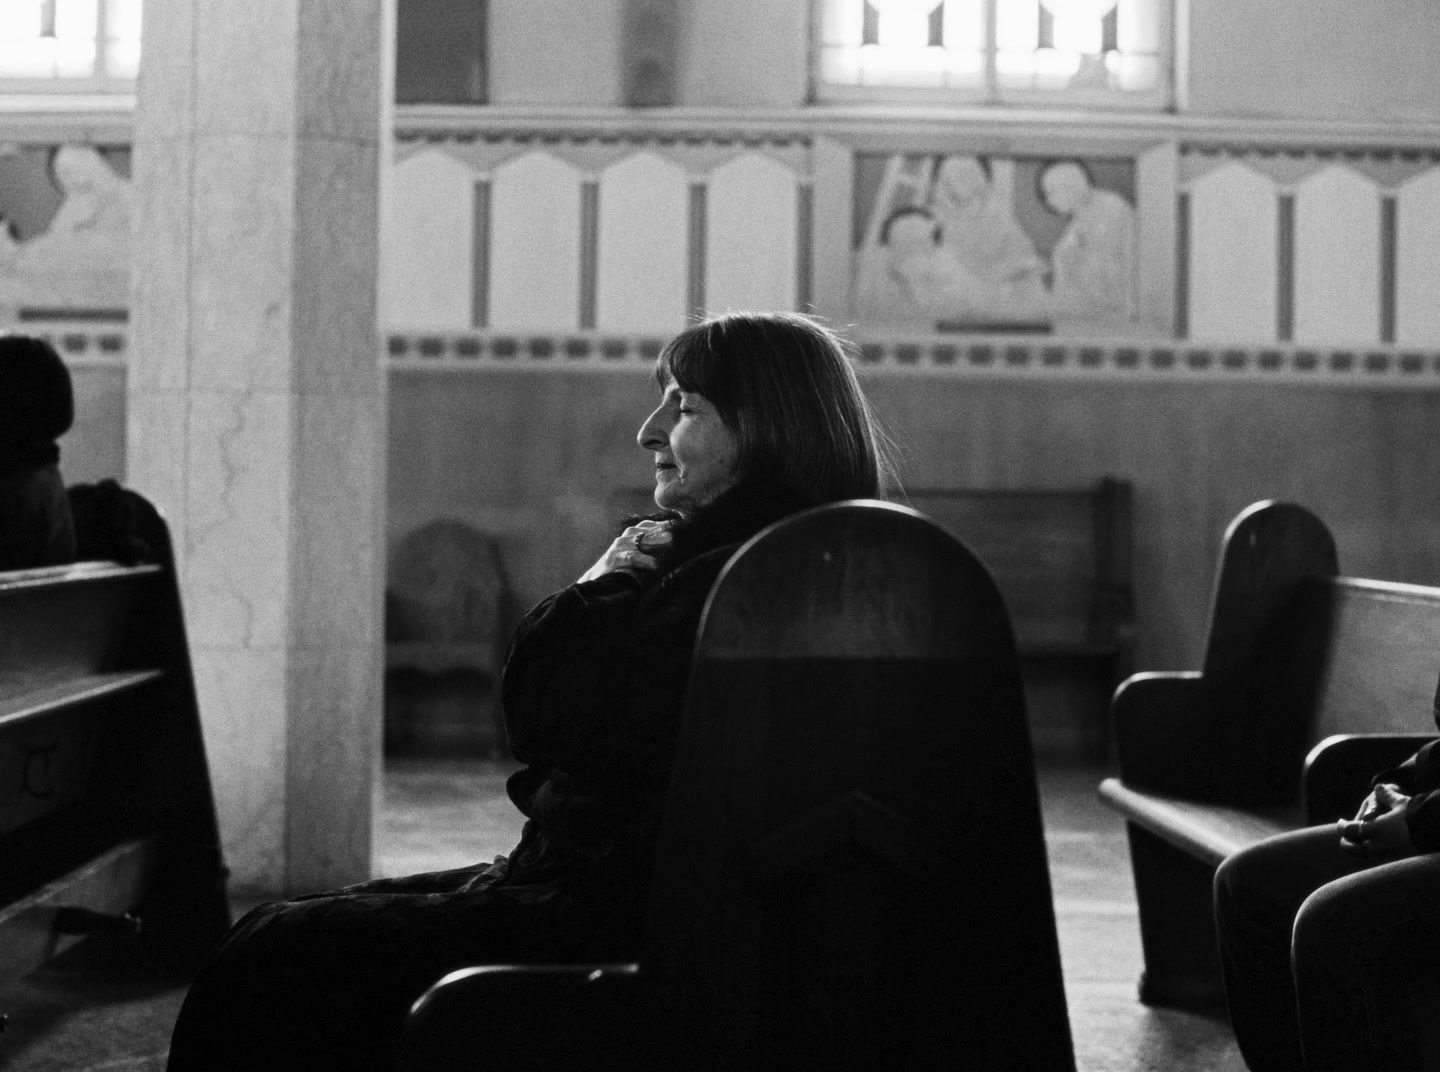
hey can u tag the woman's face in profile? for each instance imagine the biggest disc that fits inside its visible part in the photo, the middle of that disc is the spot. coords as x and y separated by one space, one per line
695 453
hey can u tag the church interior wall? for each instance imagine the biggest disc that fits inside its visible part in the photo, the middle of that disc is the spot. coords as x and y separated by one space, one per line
533 455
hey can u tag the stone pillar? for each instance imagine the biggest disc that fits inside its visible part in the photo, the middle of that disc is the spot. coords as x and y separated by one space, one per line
256 405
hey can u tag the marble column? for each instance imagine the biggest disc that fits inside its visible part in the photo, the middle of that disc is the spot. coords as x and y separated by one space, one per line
256 405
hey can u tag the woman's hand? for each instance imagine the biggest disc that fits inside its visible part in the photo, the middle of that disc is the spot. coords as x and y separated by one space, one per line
1379 827
632 549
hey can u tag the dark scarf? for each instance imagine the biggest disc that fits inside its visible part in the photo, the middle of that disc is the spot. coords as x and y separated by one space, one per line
733 517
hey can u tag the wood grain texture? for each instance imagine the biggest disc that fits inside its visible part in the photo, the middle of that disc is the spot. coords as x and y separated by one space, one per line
852 847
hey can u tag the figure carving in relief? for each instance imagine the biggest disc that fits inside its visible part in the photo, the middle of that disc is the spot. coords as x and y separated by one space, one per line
913 273
960 241
81 259
978 225
1092 267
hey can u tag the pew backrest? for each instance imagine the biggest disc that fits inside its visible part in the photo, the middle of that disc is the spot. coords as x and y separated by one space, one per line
107 820
853 790
1061 557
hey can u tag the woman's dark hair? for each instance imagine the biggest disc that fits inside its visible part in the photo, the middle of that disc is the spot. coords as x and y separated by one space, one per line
784 385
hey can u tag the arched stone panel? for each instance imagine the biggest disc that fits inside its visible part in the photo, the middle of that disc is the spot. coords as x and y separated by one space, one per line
534 229
426 239
750 256
1337 257
1417 261
1233 255
643 251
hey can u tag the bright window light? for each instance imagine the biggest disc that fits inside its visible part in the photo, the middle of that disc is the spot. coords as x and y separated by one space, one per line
989 50
67 42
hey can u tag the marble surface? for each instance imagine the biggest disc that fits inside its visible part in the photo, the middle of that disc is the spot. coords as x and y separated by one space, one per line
256 408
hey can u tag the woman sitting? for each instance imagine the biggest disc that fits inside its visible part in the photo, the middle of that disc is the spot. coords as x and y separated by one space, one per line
759 416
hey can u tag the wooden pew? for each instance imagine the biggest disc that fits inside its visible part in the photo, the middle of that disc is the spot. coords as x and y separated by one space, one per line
851 872
107 824
448 615
1062 558
1311 683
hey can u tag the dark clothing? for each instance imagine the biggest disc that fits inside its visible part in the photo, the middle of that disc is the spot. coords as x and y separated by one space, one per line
1320 949
35 523
1419 779
593 689
116 524
37 407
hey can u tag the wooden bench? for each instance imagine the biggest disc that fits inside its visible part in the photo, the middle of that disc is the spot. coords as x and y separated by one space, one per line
851 872
1311 683
1062 560
448 614
107 825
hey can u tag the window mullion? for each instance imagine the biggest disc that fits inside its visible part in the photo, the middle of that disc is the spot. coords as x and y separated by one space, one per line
992 38
102 39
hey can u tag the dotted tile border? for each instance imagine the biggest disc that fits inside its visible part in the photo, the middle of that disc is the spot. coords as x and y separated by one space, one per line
77 343
410 134
1032 358
1041 358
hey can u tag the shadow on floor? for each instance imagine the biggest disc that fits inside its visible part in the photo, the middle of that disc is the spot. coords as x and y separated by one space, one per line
72 1016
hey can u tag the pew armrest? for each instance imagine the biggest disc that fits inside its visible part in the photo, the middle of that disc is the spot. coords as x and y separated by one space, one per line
1338 770
1159 722
508 1016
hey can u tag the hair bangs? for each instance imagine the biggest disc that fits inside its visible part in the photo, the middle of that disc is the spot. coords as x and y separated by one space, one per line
695 360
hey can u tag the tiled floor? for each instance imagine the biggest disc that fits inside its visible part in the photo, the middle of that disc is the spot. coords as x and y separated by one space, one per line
446 814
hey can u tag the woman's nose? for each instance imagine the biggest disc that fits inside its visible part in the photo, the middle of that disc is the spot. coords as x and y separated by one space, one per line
652 435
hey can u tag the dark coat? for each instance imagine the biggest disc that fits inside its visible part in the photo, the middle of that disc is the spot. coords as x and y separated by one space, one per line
37 406
593 689
35 524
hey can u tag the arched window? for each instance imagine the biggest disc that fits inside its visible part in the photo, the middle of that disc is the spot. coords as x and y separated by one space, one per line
69 45
1069 52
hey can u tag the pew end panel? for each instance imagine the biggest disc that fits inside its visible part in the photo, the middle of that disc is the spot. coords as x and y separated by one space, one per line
851 870
586 1012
